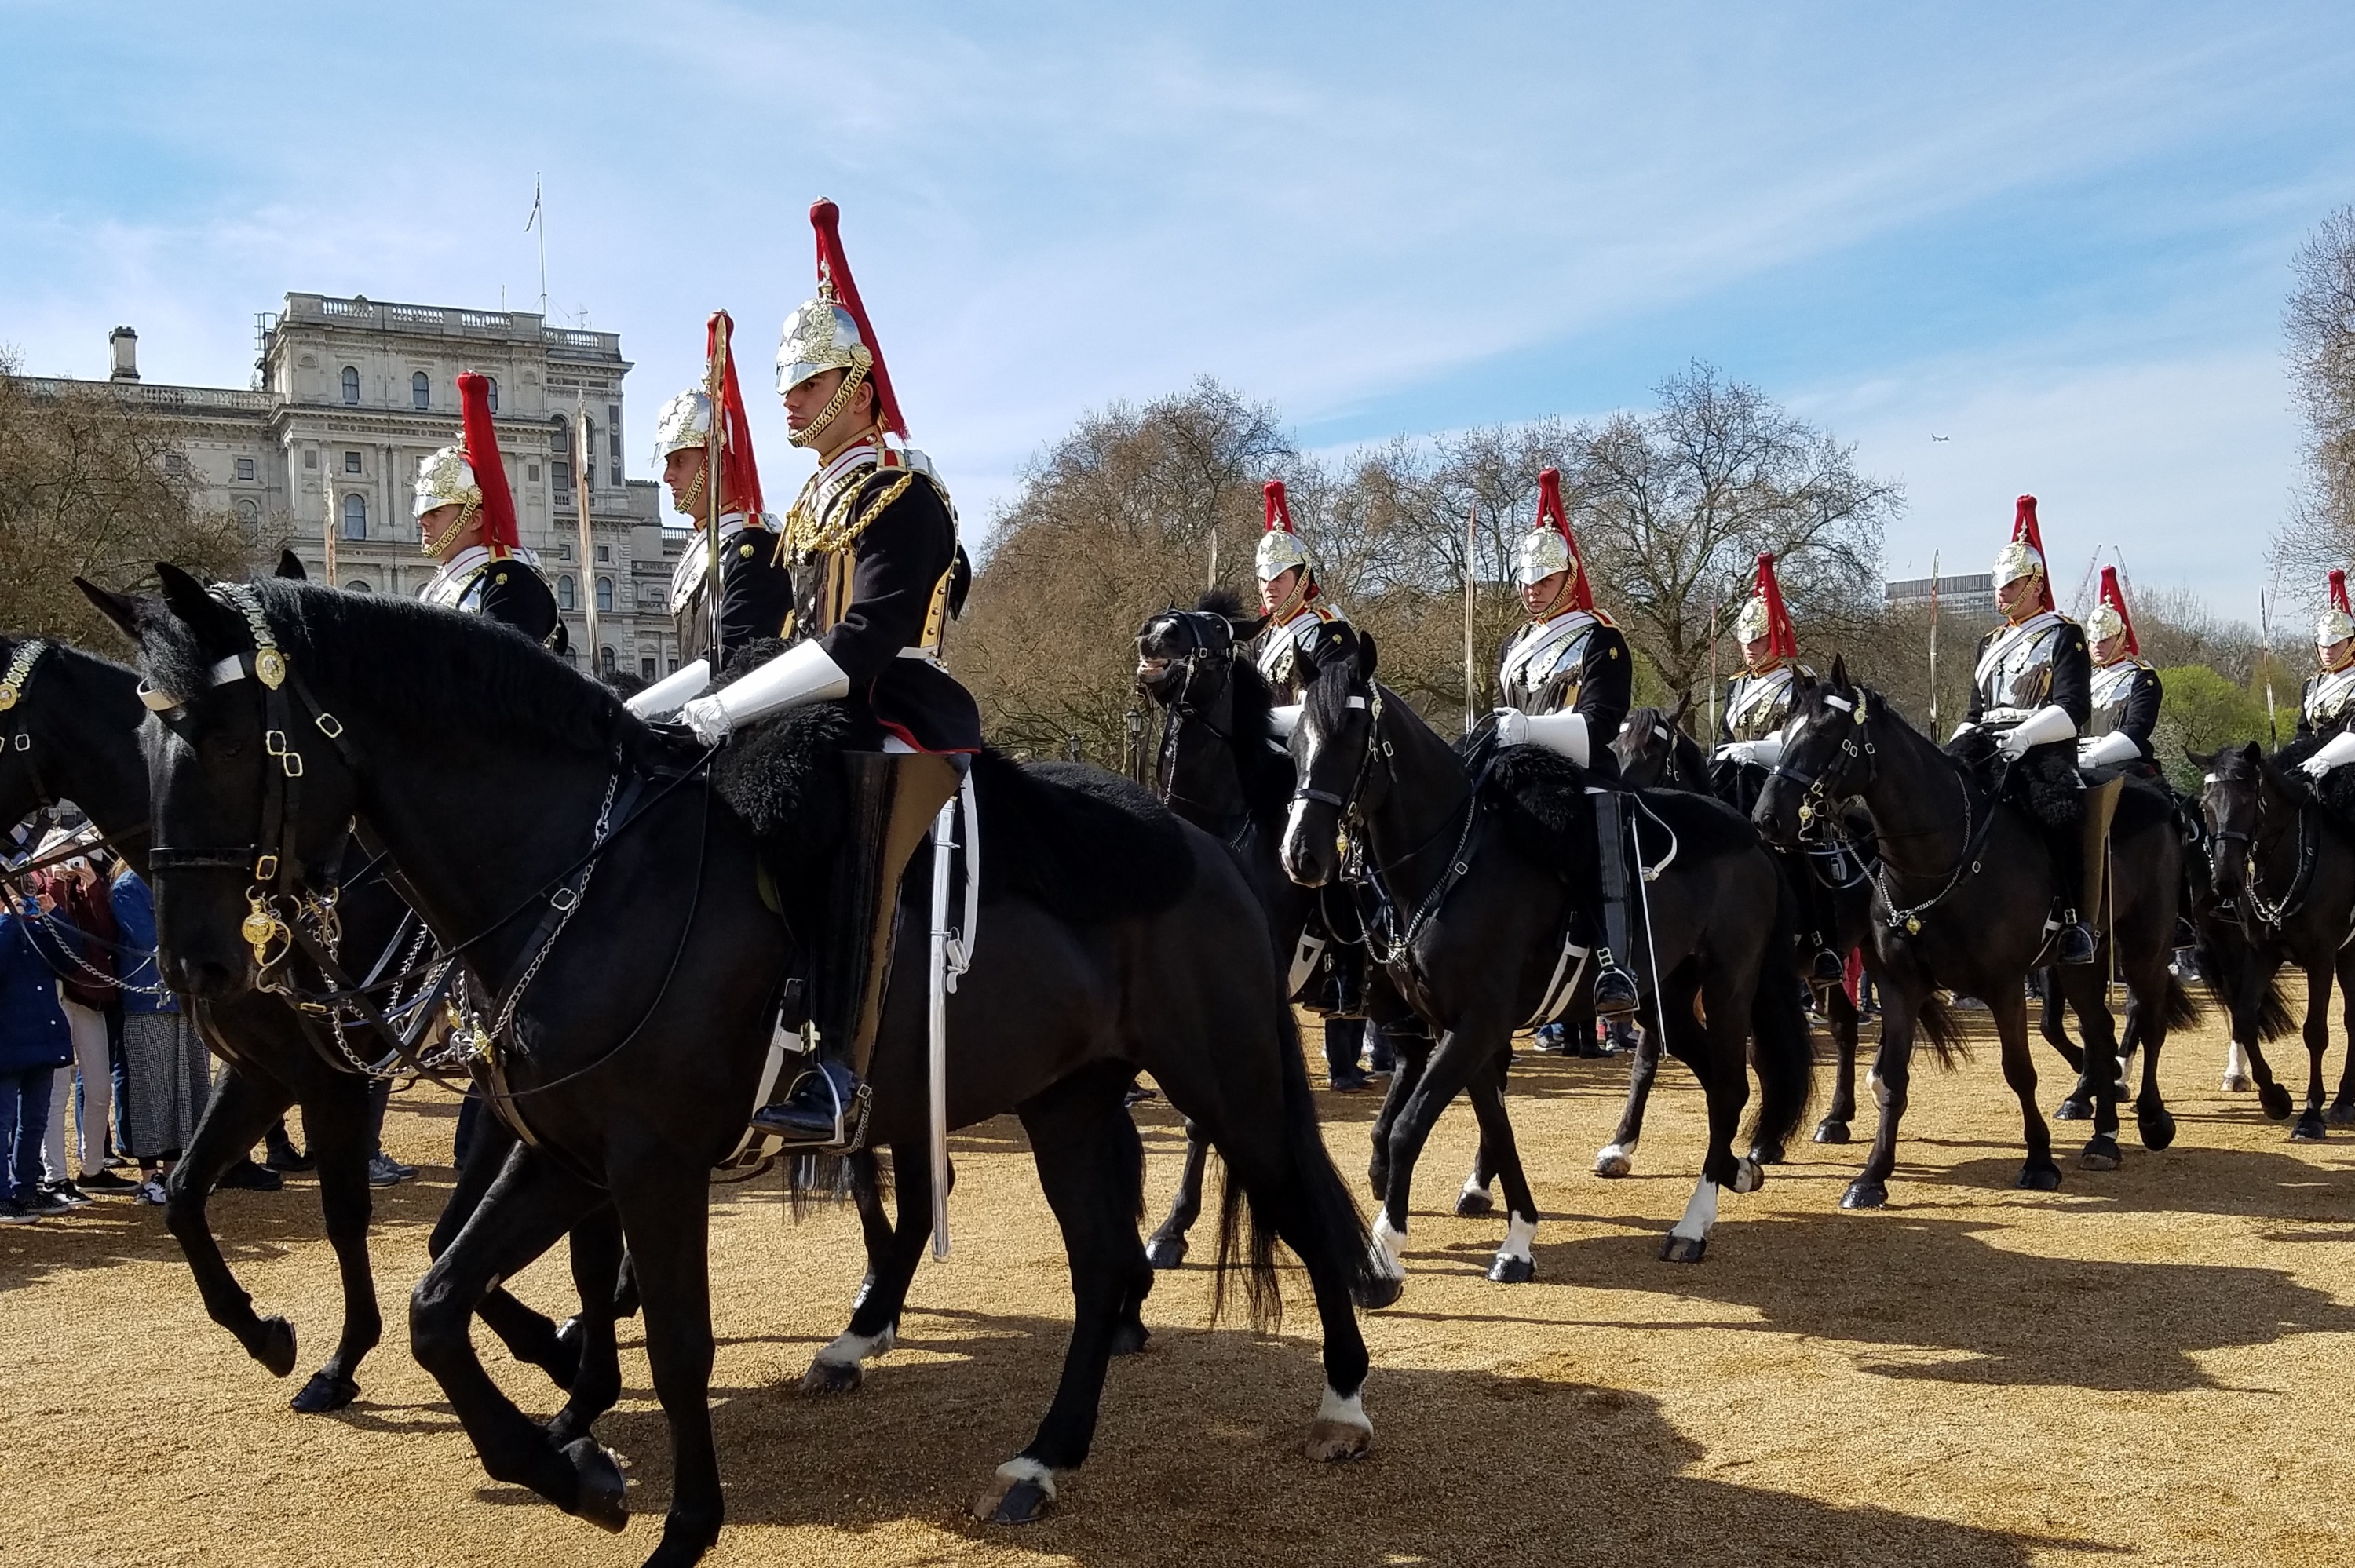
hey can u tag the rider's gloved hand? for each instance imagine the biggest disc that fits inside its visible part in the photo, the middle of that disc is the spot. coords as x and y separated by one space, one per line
708 719
1739 751
1512 728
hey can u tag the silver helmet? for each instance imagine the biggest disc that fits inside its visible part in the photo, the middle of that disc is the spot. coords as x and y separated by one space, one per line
820 336
446 479
1281 547
685 422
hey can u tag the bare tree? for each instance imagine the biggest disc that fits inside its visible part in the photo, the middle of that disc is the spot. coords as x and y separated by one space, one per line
2319 333
91 487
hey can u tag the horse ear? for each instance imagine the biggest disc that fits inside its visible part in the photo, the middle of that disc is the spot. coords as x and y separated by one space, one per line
119 608
2251 751
290 566
1369 658
211 620
1839 670
2203 763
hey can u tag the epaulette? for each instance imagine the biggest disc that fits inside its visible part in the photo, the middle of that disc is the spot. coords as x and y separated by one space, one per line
1603 620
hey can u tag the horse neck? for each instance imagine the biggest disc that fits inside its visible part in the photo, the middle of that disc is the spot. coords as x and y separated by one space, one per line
1427 786
477 825
88 747
1201 775
1919 799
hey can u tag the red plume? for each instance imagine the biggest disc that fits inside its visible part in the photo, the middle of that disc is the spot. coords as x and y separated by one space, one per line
834 267
2024 528
2116 600
2339 594
1782 638
740 475
1549 510
480 439
1279 508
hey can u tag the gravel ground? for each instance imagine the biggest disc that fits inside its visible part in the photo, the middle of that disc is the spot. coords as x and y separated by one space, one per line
2144 1364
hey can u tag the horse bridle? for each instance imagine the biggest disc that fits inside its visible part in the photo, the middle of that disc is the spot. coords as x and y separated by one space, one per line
1819 785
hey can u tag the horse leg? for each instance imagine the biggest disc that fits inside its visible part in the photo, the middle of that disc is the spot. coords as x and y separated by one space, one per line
1088 1162
1473 1198
1513 1263
2009 1008
665 1203
2088 991
1442 1076
336 1123
1405 1074
1166 1249
529 1208
529 1337
874 1328
596 1266
1893 1073
240 1110
1618 1158
2342 1107
2309 1124
1842 1014
1720 1055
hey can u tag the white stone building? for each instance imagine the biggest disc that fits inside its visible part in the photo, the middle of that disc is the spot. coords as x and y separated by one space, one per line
349 394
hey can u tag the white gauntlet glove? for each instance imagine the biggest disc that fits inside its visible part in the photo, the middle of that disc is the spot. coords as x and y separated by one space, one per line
1562 733
2115 749
667 694
1734 751
2042 726
2337 750
800 675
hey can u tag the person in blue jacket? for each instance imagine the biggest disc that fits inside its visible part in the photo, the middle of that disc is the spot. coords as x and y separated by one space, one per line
34 1043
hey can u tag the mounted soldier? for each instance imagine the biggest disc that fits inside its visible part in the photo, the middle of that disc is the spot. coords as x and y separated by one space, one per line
1567 681
754 595
1302 628
466 520
2031 697
1749 740
2326 709
873 547
2126 691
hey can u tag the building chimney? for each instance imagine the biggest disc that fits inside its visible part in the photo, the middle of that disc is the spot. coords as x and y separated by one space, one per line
124 343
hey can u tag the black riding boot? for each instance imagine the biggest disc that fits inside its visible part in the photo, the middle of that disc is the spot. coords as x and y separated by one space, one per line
1614 988
2077 941
891 801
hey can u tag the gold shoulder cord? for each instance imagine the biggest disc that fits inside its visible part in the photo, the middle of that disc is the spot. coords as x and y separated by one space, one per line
808 531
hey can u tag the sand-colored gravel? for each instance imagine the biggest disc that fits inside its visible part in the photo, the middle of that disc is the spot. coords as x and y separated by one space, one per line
2148 1366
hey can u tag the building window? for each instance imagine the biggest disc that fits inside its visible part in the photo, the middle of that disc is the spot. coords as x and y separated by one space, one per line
359 585
561 475
564 593
673 665
617 476
309 457
421 391
355 516
352 385
491 385
351 462
613 427
245 468
531 471
605 657
604 554
605 595
646 668
249 516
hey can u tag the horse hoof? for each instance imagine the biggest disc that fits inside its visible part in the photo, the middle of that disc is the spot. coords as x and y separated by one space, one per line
1510 1270
1749 1175
1767 1154
1330 1442
1130 1339
2157 1128
1683 1249
1020 1493
1612 1164
1472 1201
326 1391
1165 1252
2237 1083
603 1498
1831 1131
2071 1110
2101 1154
276 1350
566 1427
1862 1194
1378 1291
2045 1177
2341 1113
2309 1130
833 1377
2274 1100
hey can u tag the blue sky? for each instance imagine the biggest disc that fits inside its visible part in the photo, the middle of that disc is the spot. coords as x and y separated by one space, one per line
2058 236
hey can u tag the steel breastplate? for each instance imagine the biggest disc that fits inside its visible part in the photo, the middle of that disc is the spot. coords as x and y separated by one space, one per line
1758 706
2014 677
825 579
2330 699
1541 669
2112 688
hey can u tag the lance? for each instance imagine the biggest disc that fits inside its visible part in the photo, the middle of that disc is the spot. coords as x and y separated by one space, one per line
1471 543
583 457
715 450
2265 628
1933 642
328 530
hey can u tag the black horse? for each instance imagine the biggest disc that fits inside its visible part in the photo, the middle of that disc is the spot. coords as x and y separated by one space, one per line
1960 903
2286 860
1468 879
635 966
1222 766
1832 878
74 734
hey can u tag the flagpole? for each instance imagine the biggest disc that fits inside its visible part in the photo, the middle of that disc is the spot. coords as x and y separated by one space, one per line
584 456
327 533
539 221
715 448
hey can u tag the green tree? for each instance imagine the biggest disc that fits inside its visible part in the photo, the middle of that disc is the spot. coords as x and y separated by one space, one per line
2202 711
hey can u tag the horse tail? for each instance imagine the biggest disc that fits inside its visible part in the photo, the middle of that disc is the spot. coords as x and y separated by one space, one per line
2220 974
2181 1008
1937 1024
1305 1175
1784 1052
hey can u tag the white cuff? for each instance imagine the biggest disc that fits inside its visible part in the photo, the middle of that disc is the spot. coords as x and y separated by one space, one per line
1765 751
2336 751
1283 721
2042 727
1564 732
666 694
2112 751
800 675
1961 729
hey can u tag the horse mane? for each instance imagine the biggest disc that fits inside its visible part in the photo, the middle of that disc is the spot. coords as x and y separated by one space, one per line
1223 602
419 668
1267 772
